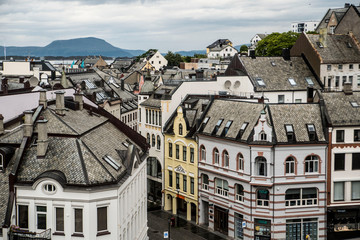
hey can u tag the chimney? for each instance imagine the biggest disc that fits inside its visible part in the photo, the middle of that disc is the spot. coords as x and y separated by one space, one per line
1 124
43 100
4 85
286 54
63 81
122 84
60 103
322 36
28 125
199 74
42 141
80 100
310 94
347 5
252 54
347 88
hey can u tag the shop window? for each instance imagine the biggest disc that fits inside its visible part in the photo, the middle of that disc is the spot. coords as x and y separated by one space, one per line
262 229
302 228
239 231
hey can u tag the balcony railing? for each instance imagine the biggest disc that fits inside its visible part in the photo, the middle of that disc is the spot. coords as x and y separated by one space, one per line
20 234
263 203
301 202
239 197
205 187
222 192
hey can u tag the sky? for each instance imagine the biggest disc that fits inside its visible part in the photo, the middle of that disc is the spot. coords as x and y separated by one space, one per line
143 24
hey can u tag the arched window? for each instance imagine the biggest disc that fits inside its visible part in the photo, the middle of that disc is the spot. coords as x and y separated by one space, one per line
153 140
205 182
216 156
263 136
290 165
225 159
170 149
262 197
148 138
158 142
261 168
239 192
311 164
240 162
180 129
202 153
222 187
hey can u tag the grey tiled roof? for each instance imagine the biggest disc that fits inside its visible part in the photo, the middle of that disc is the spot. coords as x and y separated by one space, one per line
150 102
298 115
14 136
336 49
276 76
340 110
4 191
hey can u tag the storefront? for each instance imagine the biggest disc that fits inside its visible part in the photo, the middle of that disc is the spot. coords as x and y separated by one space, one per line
239 229
262 229
298 229
221 217
343 222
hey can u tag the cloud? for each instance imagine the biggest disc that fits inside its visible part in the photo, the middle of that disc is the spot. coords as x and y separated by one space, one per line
143 24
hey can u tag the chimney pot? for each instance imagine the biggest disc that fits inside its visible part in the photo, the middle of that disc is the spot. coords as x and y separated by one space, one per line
80 100
60 103
252 54
43 100
28 124
286 54
42 141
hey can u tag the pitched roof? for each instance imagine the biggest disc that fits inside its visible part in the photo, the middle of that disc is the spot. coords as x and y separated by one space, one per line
219 42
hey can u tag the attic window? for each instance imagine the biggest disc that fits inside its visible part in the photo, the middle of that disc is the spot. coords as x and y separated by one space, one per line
115 84
203 124
217 126
49 188
242 130
260 81
309 81
89 84
226 129
292 82
289 132
312 132
354 104
112 162
100 96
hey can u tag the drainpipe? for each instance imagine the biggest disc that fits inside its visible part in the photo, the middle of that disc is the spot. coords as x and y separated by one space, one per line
251 190
273 180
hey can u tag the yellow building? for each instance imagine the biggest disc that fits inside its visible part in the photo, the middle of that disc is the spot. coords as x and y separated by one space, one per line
181 159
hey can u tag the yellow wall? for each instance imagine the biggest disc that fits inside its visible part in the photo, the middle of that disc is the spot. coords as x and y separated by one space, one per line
172 162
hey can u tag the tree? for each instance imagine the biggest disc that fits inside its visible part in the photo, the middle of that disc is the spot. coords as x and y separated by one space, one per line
244 48
273 44
186 58
198 55
173 59
145 54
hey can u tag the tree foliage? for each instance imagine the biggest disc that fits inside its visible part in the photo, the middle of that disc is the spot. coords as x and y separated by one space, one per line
273 44
145 54
173 59
244 48
198 55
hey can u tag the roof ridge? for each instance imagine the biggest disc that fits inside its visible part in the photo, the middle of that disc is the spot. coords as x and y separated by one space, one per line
86 176
54 114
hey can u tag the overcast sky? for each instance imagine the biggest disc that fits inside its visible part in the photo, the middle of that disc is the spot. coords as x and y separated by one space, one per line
142 24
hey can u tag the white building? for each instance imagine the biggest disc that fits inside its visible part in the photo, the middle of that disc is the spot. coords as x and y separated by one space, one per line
255 179
156 60
75 172
306 26
255 39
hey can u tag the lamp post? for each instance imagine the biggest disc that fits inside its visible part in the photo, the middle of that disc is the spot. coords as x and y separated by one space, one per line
177 207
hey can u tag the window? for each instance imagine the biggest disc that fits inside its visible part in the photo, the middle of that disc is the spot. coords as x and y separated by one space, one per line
311 164
153 116
192 155
339 191
170 178
355 190
184 153
301 197
1 162
41 217
261 166
290 165
177 181
239 192
339 162
205 182
78 220
281 98
156 117
311 132
184 183
340 66
351 79
215 156
240 162
337 81
180 129
340 135
222 187
158 142
260 81
202 153
239 230
153 140
177 151
153 167
344 80
226 128
170 149
356 135
50 188
300 228
354 104
192 185
263 136
217 126
289 132
292 81
101 219
23 216
59 212
147 116
225 159
358 80
148 138
262 197
356 161
329 67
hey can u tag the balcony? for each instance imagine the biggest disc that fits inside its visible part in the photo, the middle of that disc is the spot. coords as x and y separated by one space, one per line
239 197
222 192
205 187
21 234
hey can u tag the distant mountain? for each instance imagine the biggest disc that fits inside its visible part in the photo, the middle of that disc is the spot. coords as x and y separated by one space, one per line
72 47
191 52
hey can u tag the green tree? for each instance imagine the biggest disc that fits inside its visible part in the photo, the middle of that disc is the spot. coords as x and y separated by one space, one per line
186 58
173 59
145 54
244 48
196 55
273 44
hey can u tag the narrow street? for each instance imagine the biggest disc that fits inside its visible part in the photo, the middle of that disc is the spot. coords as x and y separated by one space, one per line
158 223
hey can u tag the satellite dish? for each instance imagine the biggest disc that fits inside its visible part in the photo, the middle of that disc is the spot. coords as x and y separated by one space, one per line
237 84
227 84
33 81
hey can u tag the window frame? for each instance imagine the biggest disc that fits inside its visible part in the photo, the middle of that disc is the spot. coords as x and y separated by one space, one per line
262 202
184 183
216 157
170 175
259 161
240 162
158 142
340 135
221 189
177 151
356 135
101 220
170 150
40 213
78 221
290 163
239 195
310 160
342 163
226 159
192 155
352 192
180 129
21 218
355 161
342 183
301 200
59 222
184 153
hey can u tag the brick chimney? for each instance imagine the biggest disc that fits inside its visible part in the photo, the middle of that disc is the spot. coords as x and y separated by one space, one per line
1 124
4 85
60 103
28 125
43 100
323 36
80 100
348 88
42 141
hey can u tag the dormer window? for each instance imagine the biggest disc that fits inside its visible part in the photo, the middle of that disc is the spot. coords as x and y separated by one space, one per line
354 104
312 132
292 81
114 164
217 126
260 81
203 124
226 129
309 81
263 136
242 130
49 188
290 132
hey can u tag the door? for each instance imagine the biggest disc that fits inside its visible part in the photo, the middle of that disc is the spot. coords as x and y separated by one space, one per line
221 220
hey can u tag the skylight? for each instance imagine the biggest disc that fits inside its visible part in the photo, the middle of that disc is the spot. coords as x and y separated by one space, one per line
309 81
292 82
226 128
260 81
289 128
89 84
273 63
112 162
320 44
244 126
354 104
311 127
217 126
206 120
